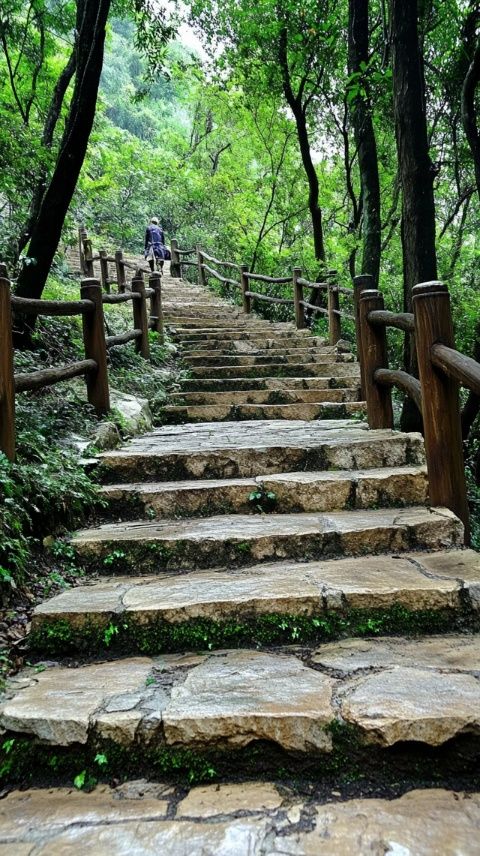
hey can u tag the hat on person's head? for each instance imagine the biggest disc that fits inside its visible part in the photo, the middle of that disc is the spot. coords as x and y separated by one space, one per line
154 220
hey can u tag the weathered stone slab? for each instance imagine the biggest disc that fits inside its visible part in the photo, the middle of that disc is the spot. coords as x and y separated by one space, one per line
400 704
441 653
238 696
310 491
265 396
420 823
215 800
301 410
373 582
232 449
242 539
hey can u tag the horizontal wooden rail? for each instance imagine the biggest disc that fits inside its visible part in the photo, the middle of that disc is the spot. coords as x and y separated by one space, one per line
259 277
286 301
28 306
188 263
215 261
123 338
348 292
185 252
225 279
313 307
401 320
321 286
48 377
120 298
458 366
342 314
406 382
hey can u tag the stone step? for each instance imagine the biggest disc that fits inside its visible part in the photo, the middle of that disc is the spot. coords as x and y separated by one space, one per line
315 369
300 356
244 539
353 590
257 345
229 819
267 334
294 492
219 413
271 383
266 396
310 702
245 449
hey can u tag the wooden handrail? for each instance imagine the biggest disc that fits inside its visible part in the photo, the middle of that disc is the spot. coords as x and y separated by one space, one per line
47 377
215 261
401 320
286 301
119 298
217 275
406 382
123 338
322 286
30 306
260 277
315 308
457 365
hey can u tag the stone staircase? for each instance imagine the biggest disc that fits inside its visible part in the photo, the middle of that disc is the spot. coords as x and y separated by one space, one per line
271 597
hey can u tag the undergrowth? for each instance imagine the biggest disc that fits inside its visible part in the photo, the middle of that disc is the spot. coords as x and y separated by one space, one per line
47 491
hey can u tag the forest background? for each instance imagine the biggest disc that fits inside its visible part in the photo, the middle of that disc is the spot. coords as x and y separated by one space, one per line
276 145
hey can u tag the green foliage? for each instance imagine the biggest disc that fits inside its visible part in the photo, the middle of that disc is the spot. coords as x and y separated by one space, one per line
127 634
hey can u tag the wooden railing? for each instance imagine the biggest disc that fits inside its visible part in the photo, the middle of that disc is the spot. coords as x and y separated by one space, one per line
96 343
441 367
302 309
125 269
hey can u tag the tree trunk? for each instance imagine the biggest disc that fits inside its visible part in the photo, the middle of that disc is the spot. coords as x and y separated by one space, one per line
299 111
365 141
47 141
416 170
91 20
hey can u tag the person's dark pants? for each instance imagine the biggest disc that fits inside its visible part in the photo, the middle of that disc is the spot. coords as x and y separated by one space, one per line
159 262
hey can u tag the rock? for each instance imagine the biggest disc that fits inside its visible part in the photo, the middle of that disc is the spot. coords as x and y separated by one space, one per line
135 412
106 436
446 653
215 800
401 704
240 696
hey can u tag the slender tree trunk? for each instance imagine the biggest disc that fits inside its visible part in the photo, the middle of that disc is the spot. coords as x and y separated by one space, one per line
416 171
91 21
299 111
47 141
365 140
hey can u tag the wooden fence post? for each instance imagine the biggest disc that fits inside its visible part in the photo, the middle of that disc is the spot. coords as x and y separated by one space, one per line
202 280
440 402
140 320
82 236
298 298
360 283
104 280
375 356
334 322
175 269
95 347
88 257
247 302
156 311
7 381
120 267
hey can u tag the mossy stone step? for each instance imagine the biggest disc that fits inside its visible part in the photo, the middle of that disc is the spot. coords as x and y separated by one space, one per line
300 410
304 703
266 396
328 368
245 449
299 356
390 593
272 383
242 540
235 818
292 492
